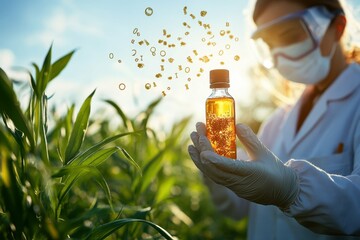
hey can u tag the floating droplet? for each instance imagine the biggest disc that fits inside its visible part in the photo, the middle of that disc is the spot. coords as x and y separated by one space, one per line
111 55
222 33
236 39
119 61
187 69
171 60
168 88
221 52
227 46
203 13
162 53
147 86
237 58
189 79
135 31
122 86
149 11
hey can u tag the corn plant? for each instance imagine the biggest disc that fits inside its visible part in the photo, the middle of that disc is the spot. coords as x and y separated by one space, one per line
38 179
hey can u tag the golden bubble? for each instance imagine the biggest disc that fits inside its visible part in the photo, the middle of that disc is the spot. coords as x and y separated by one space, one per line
237 58
221 52
187 69
203 39
198 75
214 44
236 39
162 53
168 88
184 24
189 79
222 33
147 86
149 11
227 46
231 36
203 13
171 60
122 86
153 49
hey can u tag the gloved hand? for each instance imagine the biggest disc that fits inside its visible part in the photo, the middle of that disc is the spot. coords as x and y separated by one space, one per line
263 179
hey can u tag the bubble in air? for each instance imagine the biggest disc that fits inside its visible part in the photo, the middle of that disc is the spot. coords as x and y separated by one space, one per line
149 11
147 86
111 55
122 86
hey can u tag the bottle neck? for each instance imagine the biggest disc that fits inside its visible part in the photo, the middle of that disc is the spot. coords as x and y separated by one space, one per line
219 92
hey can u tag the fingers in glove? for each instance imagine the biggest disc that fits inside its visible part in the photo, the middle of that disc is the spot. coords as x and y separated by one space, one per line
204 144
223 164
195 139
252 144
195 156
201 129
212 170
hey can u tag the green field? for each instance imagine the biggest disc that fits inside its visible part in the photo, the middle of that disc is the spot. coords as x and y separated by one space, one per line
83 178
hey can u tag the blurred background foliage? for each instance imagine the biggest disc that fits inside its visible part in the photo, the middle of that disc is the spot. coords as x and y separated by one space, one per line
79 176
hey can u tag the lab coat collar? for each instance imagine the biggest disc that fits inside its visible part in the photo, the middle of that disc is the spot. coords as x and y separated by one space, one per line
343 86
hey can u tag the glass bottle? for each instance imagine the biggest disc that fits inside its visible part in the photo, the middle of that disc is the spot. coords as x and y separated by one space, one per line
220 115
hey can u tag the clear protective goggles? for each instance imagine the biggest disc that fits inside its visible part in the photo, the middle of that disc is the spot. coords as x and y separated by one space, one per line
293 36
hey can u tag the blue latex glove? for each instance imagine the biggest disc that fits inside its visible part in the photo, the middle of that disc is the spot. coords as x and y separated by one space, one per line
263 179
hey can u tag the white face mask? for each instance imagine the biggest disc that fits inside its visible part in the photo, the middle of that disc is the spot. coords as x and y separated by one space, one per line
310 69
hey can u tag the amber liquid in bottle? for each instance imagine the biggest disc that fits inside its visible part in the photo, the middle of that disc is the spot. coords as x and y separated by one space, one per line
220 115
220 125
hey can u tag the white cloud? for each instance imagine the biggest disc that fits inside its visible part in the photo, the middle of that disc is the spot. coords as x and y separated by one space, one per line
7 60
61 25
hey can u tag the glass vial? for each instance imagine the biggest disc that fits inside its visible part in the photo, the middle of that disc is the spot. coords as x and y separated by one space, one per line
220 115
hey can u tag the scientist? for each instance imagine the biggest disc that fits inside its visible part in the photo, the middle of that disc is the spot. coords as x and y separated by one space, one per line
301 176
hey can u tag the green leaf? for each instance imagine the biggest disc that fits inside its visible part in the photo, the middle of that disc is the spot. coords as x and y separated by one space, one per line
92 161
45 72
79 130
59 65
9 105
102 231
89 152
123 116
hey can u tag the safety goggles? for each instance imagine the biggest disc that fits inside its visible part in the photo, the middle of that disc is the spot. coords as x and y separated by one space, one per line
293 36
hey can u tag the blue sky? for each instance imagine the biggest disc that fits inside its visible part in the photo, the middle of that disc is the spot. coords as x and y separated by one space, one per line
98 28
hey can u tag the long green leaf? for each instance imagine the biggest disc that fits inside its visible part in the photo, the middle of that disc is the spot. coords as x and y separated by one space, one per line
123 116
45 73
101 232
79 130
89 152
9 105
93 161
59 65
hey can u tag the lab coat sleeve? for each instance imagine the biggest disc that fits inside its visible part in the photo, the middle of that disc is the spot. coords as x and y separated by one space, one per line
328 203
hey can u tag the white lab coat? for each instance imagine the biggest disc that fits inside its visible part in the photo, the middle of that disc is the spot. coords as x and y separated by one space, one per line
329 174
